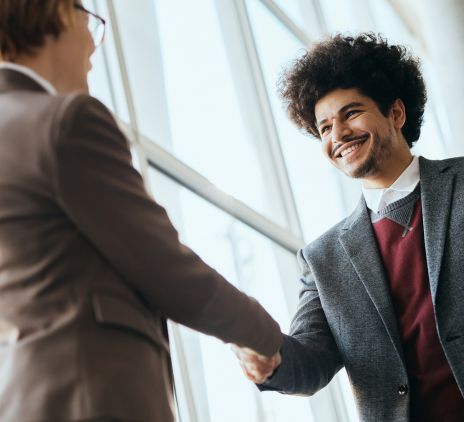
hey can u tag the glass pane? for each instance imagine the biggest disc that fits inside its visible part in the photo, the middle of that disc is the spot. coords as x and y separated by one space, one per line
344 16
207 123
348 395
387 22
140 49
292 8
252 263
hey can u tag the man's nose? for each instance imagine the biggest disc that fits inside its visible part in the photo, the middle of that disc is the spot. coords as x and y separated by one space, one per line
340 131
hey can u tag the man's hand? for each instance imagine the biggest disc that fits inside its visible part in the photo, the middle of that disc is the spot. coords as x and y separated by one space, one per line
256 367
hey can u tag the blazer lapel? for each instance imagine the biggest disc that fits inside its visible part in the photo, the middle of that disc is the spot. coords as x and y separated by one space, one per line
360 245
437 185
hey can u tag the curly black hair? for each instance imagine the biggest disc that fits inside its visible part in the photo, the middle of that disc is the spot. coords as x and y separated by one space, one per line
366 62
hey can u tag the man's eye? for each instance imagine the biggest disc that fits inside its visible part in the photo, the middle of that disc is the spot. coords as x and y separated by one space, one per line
352 113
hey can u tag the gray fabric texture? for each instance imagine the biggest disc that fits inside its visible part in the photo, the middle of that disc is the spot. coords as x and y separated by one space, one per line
399 211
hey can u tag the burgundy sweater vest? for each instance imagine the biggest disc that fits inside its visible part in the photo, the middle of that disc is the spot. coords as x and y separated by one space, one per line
434 394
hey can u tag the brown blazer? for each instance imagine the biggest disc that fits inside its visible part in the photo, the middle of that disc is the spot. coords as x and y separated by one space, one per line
90 266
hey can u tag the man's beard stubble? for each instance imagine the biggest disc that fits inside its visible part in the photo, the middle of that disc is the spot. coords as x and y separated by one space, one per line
379 152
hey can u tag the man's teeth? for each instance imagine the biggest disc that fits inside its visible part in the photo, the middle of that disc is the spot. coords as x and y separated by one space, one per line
350 149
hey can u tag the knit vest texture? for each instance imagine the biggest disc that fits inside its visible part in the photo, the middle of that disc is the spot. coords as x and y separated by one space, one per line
434 394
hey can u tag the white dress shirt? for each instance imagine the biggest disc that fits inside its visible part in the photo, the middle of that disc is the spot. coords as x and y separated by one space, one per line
31 74
378 199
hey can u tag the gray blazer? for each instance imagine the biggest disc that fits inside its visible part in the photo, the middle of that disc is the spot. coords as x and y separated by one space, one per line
345 317
90 267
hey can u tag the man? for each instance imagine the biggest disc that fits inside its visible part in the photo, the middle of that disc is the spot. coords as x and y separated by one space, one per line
383 290
90 266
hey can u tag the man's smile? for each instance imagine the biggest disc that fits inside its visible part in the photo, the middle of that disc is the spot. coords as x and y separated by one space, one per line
342 150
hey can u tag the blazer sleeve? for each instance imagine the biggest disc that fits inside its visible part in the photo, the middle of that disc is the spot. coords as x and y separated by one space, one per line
104 196
310 357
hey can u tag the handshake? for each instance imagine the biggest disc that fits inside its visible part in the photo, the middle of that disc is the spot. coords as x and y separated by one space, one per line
257 368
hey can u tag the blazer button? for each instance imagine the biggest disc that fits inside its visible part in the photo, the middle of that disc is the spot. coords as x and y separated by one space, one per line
402 390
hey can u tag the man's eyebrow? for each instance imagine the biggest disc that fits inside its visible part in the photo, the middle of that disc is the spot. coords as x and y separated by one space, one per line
342 110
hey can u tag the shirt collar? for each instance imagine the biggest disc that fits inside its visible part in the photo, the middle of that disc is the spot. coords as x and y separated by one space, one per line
376 199
31 74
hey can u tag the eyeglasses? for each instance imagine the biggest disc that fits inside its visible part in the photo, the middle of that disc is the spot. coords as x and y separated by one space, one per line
96 24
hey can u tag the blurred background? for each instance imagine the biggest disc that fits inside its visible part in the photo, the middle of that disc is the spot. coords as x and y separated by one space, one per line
193 85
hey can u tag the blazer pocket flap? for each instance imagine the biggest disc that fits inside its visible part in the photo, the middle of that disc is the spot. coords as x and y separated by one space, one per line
121 313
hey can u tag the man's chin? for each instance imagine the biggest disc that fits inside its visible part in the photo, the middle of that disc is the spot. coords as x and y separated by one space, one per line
362 170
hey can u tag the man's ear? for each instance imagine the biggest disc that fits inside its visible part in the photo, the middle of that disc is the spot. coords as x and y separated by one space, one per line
398 113
65 11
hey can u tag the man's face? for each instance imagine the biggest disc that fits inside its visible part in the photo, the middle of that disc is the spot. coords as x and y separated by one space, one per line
356 137
75 47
